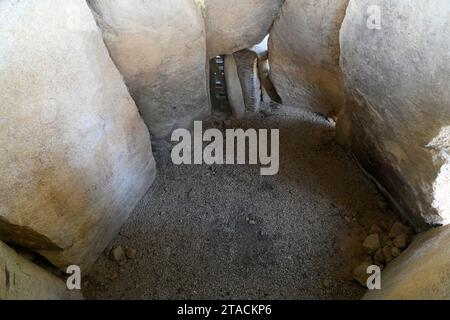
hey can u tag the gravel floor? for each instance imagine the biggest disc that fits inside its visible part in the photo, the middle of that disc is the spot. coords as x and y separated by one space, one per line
225 232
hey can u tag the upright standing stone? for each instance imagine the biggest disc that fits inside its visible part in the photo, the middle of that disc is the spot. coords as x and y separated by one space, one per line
159 46
304 55
75 156
396 68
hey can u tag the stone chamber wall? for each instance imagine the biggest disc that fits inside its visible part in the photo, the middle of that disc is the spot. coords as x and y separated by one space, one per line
86 88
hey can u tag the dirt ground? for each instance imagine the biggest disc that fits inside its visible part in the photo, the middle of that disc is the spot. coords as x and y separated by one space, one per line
226 232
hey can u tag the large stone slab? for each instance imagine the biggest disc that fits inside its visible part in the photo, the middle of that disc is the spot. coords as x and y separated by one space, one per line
421 273
247 69
159 46
233 25
234 88
270 96
75 156
304 55
20 279
397 117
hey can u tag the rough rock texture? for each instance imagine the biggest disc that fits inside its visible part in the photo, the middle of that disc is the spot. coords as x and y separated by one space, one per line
372 244
233 25
234 88
304 54
269 93
20 279
247 69
421 272
159 47
75 156
360 273
397 116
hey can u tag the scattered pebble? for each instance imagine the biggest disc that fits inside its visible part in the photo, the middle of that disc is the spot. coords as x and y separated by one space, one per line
396 230
396 252
401 242
387 252
130 253
372 244
375 229
382 205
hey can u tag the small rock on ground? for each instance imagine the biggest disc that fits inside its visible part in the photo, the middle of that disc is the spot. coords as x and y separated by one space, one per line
117 253
372 244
